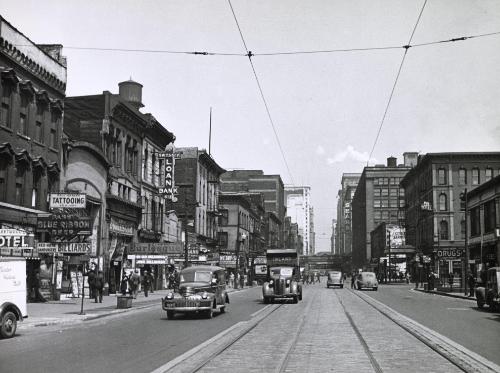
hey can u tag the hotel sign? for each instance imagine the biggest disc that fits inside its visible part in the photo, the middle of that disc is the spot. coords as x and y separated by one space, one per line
67 200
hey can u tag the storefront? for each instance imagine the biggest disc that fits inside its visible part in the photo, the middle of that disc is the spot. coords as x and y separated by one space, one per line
121 237
449 267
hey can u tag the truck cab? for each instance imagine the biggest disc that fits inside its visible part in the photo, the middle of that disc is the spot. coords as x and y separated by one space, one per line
489 293
283 276
12 295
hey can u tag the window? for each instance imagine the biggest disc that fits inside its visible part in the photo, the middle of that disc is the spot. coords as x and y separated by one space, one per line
384 203
55 121
488 174
376 203
118 160
443 202
385 215
40 109
442 176
385 192
6 106
24 114
35 194
462 229
475 176
462 176
222 239
3 178
39 132
475 223
52 182
53 138
20 176
489 216
443 230
376 181
223 219
376 192
393 192
377 215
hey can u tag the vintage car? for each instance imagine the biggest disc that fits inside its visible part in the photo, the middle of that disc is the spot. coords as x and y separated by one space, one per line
283 284
335 278
366 280
489 293
202 289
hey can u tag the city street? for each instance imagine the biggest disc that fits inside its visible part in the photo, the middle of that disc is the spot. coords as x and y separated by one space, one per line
330 330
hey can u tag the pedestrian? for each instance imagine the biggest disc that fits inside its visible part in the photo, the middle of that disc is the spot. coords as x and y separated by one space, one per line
36 295
99 286
134 280
146 282
471 281
231 280
171 279
152 280
124 284
91 275
242 280
318 276
352 280
483 276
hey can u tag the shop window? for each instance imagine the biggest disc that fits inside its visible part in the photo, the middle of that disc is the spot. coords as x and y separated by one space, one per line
475 176
462 176
443 230
443 202
489 216
442 176
488 174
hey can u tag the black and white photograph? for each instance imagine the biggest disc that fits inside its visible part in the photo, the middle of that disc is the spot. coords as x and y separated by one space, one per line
243 186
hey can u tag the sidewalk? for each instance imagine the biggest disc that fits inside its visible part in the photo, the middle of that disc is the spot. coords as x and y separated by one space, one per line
67 311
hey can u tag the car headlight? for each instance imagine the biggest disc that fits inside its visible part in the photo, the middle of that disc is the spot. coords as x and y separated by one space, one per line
271 282
170 296
288 281
204 295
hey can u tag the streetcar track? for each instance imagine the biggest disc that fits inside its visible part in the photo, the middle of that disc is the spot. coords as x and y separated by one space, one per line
366 348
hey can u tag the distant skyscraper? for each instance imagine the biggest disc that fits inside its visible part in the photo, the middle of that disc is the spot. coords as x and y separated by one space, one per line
343 241
298 205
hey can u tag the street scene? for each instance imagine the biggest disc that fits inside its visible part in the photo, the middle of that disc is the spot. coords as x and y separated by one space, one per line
250 186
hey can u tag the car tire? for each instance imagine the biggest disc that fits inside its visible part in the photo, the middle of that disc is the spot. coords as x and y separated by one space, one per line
375 289
170 315
300 296
328 286
296 299
341 286
266 300
480 304
210 313
223 309
9 325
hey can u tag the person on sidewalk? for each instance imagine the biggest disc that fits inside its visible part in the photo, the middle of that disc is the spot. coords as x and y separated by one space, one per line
36 295
471 281
91 275
146 282
352 280
134 283
99 286
231 280
152 279
124 284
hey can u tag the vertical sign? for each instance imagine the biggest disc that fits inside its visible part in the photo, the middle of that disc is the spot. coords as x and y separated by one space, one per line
168 189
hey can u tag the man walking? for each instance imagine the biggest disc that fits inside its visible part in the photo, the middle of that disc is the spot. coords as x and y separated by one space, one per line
99 286
146 282
134 283
471 281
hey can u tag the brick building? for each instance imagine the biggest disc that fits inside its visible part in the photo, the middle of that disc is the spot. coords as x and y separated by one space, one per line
343 241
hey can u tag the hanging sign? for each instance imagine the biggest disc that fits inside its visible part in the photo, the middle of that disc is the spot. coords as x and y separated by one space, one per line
64 225
168 190
67 200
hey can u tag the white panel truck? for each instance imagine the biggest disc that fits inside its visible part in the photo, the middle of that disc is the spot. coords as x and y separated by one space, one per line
12 295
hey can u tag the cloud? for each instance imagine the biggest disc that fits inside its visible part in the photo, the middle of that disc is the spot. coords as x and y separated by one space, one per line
349 153
320 150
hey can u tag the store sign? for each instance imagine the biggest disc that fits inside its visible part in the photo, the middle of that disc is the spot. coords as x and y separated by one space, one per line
64 225
74 247
149 259
395 236
162 248
260 260
121 227
449 253
67 200
168 190
46 247
16 239
227 259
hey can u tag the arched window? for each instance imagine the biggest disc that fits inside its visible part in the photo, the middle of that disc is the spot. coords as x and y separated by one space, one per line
442 202
443 230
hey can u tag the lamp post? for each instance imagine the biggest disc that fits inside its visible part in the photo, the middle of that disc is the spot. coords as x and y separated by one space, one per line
463 197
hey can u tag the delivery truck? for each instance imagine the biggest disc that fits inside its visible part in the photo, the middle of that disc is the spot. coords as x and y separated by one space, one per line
12 295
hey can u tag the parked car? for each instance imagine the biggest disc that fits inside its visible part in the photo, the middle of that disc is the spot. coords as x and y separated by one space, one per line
489 293
12 295
335 278
202 289
366 280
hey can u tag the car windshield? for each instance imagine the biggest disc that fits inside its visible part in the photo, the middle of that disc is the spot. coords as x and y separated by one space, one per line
334 274
368 275
198 276
281 271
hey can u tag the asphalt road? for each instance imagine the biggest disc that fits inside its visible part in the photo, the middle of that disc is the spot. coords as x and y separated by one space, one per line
458 319
138 341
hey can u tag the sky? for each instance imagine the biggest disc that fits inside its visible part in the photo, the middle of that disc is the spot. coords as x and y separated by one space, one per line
326 107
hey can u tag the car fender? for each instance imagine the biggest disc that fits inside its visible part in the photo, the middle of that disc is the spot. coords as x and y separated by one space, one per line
8 306
294 288
480 294
266 289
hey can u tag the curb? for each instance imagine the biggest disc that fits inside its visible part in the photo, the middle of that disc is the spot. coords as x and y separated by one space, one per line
451 295
460 356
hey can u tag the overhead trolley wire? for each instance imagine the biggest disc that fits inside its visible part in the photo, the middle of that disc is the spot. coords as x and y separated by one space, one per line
395 83
249 54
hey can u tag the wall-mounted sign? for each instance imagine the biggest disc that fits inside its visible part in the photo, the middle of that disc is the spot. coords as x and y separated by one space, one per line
16 238
46 247
162 248
168 189
64 225
395 236
67 200
122 227
454 253
74 247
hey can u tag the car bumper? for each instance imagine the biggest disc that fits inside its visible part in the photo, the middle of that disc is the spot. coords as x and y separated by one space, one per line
187 309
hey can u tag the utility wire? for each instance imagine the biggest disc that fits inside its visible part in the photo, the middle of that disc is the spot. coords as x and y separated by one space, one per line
249 54
395 83
340 50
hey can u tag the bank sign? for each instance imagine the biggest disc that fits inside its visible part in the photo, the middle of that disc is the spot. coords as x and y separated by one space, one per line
67 200
168 189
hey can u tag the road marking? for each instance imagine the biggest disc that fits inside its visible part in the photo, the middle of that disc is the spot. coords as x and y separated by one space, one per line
458 309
